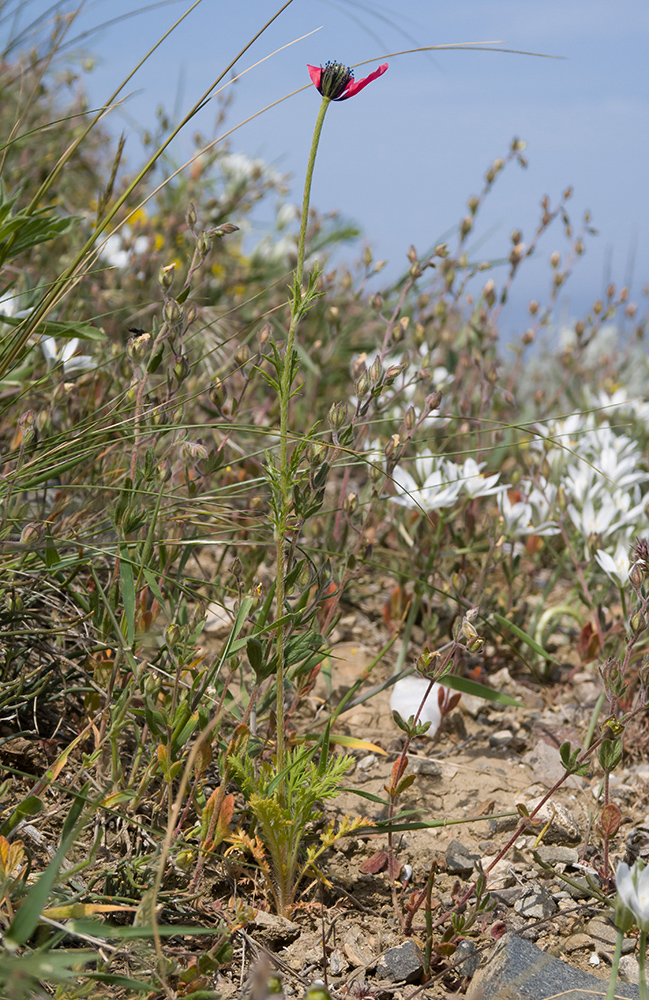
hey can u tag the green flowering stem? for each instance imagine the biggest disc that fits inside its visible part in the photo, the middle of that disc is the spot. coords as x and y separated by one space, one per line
285 386
642 986
614 964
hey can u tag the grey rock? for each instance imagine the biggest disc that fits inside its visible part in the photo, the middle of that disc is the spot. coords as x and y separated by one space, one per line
629 969
577 942
422 765
508 896
502 738
368 762
519 970
468 957
563 829
459 860
536 904
338 962
554 854
581 889
604 936
274 930
402 964
545 763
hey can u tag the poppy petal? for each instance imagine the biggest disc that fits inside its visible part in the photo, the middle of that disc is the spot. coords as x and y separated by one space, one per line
357 85
315 72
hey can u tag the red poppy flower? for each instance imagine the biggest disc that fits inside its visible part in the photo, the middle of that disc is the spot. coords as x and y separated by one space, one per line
336 81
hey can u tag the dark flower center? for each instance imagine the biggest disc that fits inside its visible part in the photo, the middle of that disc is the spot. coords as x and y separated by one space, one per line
334 80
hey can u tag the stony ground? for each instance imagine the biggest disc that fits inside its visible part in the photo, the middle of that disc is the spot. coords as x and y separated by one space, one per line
485 761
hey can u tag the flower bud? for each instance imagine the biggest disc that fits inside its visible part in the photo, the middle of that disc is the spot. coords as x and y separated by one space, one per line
218 393
419 335
528 337
26 427
193 451
638 622
191 216
489 292
181 368
163 471
316 453
410 418
376 301
225 230
337 415
137 347
242 356
376 371
265 334
494 170
598 307
516 236
580 328
516 255
31 532
533 307
173 635
472 204
173 314
203 244
466 226
362 385
350 503
636 575
392 446
166 276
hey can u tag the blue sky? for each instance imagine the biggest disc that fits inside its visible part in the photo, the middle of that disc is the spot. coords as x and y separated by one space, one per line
402 158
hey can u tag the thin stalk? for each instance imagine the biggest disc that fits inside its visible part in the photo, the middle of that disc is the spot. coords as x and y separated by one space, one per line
642 986
285 384
614 965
